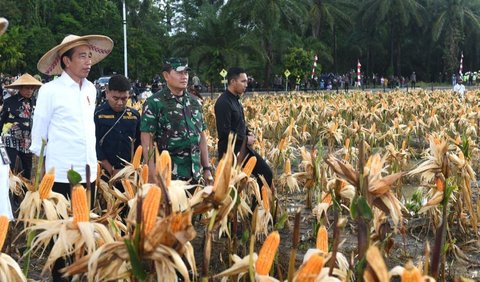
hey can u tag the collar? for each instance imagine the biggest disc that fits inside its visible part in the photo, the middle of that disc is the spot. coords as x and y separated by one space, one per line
68 81
232 95
169 95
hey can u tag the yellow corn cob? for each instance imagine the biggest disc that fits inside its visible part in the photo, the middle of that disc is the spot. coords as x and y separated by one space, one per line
310 270
144 174
411 273
81 212
128 188
322 239
3 230
267 254
218 173
46 184
327 199
265 199
440 183
164 167
248 168
151 204
288 167
137 157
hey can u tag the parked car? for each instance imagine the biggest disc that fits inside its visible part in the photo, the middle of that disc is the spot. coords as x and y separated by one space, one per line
103 81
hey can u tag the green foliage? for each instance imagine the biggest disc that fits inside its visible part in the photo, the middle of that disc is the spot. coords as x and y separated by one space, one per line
299 62
415 203
73 177
360 208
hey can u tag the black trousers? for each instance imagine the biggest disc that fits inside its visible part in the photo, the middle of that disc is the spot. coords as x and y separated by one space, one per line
65 190
261 168
20 161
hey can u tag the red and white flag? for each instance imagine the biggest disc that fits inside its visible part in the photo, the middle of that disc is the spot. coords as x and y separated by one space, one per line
314 65
461 65
359 73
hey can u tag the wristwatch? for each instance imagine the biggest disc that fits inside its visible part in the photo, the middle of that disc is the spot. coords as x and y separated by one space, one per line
207 168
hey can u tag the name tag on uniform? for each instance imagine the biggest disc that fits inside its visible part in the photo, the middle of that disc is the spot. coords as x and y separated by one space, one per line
4 155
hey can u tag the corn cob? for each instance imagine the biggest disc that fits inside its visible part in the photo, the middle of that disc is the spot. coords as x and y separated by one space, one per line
164 167
248 168
46 184
267 254
411 273
144 174
128 188
287 169
137 157
310 270
265 199
440 183
322 239
79 204
151 204
3 230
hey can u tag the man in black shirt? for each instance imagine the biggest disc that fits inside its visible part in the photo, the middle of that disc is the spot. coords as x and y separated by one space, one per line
116 126
230 118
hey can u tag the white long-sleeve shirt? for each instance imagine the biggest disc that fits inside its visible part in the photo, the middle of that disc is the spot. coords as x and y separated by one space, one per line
64 117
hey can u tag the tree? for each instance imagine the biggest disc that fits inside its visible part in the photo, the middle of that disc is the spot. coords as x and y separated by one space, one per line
453 22
396 15
265 20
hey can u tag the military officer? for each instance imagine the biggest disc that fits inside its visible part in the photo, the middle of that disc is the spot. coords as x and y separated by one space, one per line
117 127
173 119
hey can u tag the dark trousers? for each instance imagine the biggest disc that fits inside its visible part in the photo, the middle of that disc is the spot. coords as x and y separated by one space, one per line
20 161
65 190
261 168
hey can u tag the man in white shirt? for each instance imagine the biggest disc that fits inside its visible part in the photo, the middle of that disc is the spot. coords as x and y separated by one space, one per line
64 112
459 89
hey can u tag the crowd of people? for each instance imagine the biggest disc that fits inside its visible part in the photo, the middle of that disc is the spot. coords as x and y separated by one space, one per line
65 119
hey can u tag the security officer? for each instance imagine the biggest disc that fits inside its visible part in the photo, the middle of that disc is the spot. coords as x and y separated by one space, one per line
173 119
117 127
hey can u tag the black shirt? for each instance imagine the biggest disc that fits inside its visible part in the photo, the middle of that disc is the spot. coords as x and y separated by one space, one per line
117 143
18 110
229 118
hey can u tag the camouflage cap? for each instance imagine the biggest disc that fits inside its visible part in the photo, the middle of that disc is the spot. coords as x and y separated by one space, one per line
177 64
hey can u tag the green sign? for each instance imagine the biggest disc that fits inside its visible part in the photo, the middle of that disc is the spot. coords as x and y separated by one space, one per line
287 73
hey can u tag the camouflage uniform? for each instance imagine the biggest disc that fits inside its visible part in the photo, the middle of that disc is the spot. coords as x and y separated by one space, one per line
176 123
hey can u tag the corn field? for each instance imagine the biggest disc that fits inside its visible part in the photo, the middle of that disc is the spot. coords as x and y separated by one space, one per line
367 187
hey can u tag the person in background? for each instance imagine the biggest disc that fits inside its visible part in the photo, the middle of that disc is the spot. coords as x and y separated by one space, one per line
64 113
459 89
196 83
117 127
173 119
230 117
16 114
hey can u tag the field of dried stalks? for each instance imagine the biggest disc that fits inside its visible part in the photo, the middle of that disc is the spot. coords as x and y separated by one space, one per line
367 186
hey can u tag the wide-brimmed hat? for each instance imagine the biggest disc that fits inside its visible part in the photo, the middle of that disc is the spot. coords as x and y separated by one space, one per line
24 80
3 25
177 64
100 47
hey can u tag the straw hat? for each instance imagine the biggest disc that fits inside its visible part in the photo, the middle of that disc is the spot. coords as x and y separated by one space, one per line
100 46
3 25
24 80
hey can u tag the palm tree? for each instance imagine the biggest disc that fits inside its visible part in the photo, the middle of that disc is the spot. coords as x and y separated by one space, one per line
333 13
396 15
212 42
265 21
451 23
